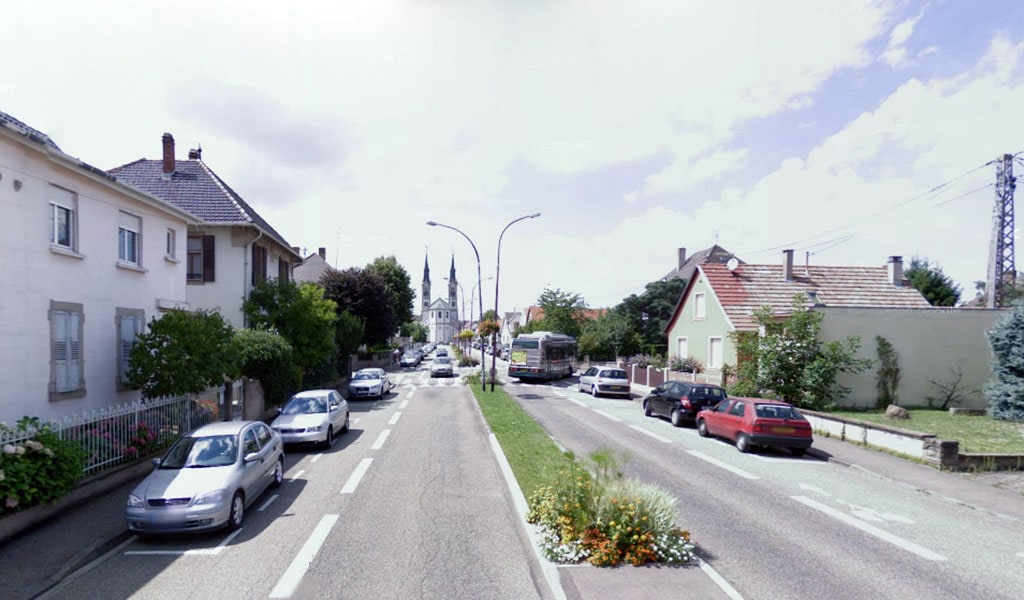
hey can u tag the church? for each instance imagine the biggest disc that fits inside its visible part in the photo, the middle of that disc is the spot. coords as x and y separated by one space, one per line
440 316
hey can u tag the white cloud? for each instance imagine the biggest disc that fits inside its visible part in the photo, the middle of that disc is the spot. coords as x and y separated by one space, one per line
895 54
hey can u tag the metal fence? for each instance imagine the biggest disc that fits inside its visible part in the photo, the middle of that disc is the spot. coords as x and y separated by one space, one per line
119 434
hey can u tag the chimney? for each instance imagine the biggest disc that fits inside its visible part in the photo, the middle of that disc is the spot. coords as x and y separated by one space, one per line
322 252
787 265
896 271
295 249
682 257
168 140
195 153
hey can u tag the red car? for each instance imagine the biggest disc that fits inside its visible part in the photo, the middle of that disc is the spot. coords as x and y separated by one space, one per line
754 422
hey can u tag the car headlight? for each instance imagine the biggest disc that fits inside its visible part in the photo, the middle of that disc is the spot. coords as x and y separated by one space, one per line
315 427
135 502
213 497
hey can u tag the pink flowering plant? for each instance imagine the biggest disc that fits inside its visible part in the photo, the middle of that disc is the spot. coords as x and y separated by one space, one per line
39 468
143 441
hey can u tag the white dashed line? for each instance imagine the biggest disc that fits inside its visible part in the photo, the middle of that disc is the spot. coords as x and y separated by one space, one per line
575 401
377 445
870 529
607 416
651 434
356 476
316 458
267 503
395 417
193 552
290 580
403 404
559 394
296 476
724 465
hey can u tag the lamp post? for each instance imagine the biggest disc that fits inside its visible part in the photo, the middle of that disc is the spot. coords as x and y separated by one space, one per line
483 382
497 272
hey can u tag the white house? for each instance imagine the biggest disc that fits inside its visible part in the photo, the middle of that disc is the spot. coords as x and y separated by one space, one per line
440 316
87 260
232 248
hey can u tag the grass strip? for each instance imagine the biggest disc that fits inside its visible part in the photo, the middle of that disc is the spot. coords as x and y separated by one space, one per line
533 456
981 434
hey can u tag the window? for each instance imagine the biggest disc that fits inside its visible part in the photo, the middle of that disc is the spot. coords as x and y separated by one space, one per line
129 325
249 443
698 306
128 229
282 270
200 258
682 348
737 408
259 264
715 353
263 433
66 350
172 250
63 224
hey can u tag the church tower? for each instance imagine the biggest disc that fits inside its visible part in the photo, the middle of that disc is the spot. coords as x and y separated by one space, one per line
426 286
453 284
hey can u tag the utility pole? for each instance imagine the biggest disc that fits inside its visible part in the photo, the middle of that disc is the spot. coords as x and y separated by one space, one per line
1002 272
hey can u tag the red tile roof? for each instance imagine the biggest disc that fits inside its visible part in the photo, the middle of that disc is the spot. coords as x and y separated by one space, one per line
749 287
536 313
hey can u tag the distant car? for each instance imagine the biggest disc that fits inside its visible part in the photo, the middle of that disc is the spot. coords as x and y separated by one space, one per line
441 352
368 383
314 416
409 359
207 479
441 367
751 422
604 380
680 401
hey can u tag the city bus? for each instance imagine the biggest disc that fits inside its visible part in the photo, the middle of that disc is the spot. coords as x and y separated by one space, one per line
542 355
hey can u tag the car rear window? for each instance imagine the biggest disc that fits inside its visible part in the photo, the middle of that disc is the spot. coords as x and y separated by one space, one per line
776 411
613 374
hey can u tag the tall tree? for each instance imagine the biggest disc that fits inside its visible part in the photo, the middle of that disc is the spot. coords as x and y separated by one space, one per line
563 311
936 287
348 335
649 313
609 336
363 293
300 314
398 285
1005 393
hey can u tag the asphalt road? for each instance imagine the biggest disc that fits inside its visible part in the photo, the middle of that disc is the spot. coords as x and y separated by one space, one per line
777 527
409 504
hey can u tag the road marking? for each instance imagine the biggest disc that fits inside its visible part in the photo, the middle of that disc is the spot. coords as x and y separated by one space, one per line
789 460
316 457
726 466
403 404
395 417
293 575
607 416
651 434
870 529
718 579
1020 554
267 503
559 394
192 552
380 440
575 401
296 476
356 476
411 392
816 490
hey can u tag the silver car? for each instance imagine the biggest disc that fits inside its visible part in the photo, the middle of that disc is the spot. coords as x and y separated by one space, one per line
207 479
312 417
369 383
604 380
441 366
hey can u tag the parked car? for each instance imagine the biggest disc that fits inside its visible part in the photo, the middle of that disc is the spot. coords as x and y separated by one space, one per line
409 359
751 422
312 417
441 352
207 479
604 380
441 367
680 401
369 383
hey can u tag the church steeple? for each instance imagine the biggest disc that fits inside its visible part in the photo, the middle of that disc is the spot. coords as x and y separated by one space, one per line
426 283
453 284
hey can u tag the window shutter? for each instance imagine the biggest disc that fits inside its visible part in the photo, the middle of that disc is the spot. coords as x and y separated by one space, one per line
60 350
208 258
129 331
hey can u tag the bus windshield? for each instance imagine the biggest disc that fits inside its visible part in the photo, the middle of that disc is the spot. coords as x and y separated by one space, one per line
526 344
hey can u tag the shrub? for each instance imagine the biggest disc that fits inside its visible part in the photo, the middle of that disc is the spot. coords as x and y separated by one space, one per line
39 469
686 365
646 360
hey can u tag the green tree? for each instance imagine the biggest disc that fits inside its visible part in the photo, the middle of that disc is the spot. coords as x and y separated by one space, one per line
348 335
936 287
1005 392
415 330
888 375
563 312
364 293
267 356
397 285
300 314
649 313
789 362
609 336
183 353
489 315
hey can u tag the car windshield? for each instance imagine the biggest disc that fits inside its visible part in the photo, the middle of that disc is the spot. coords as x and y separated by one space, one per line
364 376
305 405
776 411
199 452
612 374
442 361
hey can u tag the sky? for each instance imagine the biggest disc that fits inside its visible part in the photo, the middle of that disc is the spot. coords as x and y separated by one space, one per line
847 131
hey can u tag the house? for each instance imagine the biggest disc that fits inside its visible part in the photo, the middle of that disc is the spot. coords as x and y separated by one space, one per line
440 316
687 265
232 248
87 260
932 343
509 325
312 268
536 313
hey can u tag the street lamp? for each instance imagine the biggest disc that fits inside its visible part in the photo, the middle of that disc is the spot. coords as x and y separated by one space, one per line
483 382
497 272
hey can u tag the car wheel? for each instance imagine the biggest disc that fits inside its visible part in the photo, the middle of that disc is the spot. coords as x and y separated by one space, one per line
278 472
329 438
798 451
677 418
237 511
593 391
702 428
581 388
743 443
647 409
344 428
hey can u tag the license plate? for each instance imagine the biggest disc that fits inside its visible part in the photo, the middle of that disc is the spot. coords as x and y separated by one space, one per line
618 388
784 429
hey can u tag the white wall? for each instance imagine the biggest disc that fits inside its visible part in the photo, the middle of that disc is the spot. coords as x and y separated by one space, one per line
34 275
930 343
